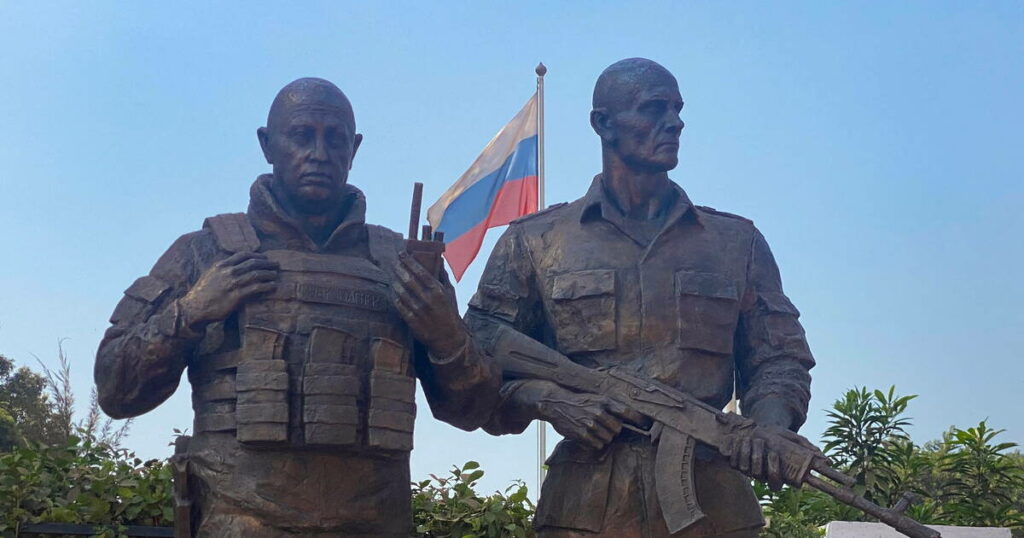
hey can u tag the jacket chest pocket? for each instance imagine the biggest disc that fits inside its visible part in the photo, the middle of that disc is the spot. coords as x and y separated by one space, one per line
583 308
708 309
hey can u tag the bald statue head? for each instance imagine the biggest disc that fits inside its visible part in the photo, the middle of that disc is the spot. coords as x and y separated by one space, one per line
636 114
310 140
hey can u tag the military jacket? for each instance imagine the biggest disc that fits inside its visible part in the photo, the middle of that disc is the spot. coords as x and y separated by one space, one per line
699 307
303 398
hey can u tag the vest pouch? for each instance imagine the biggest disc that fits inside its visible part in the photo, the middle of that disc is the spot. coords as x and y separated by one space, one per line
331 388
261 383
392 397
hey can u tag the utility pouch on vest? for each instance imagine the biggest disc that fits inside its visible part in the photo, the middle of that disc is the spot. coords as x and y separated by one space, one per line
262 388
331 387
392 397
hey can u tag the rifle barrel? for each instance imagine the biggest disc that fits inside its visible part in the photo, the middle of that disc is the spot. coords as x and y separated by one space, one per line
903 524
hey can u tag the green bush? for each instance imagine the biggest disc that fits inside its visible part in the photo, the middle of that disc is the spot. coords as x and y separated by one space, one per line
966 478
449 507
82 482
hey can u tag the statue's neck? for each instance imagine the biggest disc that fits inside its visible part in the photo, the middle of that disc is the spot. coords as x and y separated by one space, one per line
639 194
316 224
320 227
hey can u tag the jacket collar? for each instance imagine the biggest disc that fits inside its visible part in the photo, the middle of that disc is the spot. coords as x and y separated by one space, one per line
270 218
598 205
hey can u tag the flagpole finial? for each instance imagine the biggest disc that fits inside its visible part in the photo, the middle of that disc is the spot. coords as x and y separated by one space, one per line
541 69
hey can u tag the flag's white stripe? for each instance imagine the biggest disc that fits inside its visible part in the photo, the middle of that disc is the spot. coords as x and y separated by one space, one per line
523 125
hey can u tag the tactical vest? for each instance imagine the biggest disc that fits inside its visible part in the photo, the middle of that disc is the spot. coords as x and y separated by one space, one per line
323 361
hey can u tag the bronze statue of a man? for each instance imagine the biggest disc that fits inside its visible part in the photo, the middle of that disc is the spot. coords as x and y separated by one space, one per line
303 329
635 274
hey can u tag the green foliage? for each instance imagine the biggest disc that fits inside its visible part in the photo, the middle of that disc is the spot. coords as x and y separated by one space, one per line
985 485
794 513
49 475
82 482
26 411
10 435
966 478
449 507
863 426
39 408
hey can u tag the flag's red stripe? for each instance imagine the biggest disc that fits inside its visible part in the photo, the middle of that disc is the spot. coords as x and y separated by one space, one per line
515 199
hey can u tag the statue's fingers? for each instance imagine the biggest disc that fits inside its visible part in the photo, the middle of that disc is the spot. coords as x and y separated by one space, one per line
727 450
240 257
601 432
431 286
409 284
256 288
774 471
415 268
734 453
255 276
254 264
627 413
413 297
590 440
404 311
610 423
757 451
744 455
410 301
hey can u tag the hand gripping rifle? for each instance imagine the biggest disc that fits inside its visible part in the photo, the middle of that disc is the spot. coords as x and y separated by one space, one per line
680 421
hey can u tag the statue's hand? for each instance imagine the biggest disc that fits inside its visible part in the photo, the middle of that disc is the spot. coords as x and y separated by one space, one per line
428 307
591 419
226 285
757 452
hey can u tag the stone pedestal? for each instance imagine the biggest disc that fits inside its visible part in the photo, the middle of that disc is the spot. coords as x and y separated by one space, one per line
848 529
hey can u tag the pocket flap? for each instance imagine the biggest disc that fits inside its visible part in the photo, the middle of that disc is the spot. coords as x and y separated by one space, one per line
584 284
777 302
705 285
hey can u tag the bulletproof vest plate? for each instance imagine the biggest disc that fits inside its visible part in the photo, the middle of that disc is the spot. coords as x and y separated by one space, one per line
324 360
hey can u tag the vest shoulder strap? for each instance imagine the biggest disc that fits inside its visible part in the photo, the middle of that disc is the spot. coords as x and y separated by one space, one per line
384 247
233 232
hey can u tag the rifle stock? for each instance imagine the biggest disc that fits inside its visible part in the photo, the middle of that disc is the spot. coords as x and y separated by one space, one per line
680 421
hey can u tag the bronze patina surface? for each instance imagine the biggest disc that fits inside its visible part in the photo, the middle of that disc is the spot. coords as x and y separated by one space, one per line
303 330
634 274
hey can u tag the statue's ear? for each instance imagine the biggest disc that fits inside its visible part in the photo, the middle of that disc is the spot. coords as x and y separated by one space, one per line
600 120
264 139
355 148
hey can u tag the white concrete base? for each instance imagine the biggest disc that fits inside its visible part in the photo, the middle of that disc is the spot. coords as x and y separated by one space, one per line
849 529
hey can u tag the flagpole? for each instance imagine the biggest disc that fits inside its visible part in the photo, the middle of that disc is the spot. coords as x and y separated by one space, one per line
541 70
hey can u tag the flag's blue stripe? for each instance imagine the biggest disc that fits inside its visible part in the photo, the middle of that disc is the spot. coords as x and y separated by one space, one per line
474 204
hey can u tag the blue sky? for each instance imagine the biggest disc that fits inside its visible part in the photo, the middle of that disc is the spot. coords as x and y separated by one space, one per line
876 145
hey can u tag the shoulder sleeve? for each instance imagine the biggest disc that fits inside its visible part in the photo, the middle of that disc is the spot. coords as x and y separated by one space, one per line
507 295
142 355
773 358
507 291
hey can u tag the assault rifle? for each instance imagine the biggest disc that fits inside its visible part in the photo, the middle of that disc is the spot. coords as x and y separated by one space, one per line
680 421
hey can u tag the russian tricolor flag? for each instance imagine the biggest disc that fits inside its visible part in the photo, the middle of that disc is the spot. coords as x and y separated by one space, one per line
499 187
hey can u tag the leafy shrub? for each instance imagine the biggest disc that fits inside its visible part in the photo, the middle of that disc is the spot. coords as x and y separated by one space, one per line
82 482
966 478
985 485
449 507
